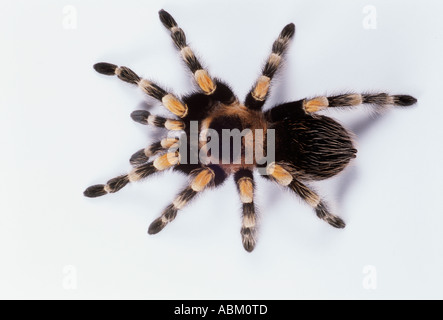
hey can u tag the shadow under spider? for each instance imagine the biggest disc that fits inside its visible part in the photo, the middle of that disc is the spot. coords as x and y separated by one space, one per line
154 134
350 174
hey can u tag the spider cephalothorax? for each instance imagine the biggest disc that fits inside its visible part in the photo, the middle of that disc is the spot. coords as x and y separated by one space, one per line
307 146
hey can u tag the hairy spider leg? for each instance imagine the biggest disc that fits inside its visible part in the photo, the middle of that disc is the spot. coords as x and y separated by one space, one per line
201 75
145 117
256 98
210 86
201 179
245 185
161 163
170 101
283 174
355 99
142 156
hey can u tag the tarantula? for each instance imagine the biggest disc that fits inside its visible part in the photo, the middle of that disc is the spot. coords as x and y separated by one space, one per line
307 146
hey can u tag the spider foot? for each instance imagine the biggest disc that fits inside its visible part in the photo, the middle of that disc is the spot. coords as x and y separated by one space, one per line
323 213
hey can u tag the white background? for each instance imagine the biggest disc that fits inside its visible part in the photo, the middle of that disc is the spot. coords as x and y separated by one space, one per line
64 127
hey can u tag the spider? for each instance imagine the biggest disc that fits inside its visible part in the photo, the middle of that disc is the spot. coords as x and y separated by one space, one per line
308 146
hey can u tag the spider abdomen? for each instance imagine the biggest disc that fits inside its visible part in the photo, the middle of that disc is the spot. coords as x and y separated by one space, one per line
318 147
